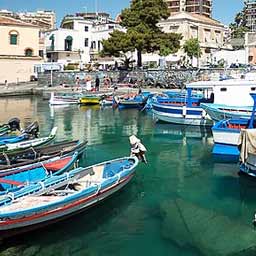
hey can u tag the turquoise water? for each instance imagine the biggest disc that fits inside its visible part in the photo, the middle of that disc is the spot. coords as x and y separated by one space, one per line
181 203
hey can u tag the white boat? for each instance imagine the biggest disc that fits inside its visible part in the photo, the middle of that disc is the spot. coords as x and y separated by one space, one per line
63 100
231 98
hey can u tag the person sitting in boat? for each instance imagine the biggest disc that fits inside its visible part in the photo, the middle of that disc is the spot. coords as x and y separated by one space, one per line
138 149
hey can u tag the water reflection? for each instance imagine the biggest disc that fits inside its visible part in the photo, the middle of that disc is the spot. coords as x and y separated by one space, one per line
180 166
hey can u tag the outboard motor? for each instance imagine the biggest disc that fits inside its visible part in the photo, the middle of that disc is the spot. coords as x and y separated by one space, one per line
32 130
14 124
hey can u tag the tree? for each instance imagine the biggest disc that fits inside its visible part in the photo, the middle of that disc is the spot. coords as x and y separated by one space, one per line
239 26
142 31
192 48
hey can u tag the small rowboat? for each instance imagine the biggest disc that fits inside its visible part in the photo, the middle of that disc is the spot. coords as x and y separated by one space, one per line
61 196
90 100
15 178
12 125
34 155
63 100
14 147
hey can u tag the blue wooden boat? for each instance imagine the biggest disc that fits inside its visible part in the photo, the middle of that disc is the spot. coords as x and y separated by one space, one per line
186 111
15 178
226 135
61 196
135 101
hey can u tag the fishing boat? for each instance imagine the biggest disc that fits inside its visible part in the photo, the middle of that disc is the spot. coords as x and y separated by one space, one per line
63 99
38 154
131 100
226 135
14 147
30 132
90 100
186 111
14 179
108 101
231 99
61 196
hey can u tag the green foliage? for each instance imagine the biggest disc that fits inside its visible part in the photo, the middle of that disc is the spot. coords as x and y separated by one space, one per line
142 31
192 48
239 26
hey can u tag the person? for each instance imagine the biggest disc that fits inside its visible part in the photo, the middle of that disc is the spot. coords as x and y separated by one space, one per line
97 83
88 83
77 82
137 148
6 84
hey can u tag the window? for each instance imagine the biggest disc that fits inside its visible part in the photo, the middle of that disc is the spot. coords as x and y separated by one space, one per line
223 89
28 52
99 44
41 53
86 28
13 37
68 43
86 42
253 89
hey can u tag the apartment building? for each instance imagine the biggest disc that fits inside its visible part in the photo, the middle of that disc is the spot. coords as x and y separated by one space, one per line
202 7
250 12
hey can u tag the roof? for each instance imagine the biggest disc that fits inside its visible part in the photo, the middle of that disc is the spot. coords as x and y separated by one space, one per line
229 82
195 17
8 21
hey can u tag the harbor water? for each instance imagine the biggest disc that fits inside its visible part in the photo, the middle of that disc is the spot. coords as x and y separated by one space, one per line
180 203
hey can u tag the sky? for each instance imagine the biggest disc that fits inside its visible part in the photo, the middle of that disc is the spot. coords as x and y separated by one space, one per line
223 10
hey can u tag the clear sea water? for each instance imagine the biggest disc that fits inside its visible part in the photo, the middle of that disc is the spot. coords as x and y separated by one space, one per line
156 213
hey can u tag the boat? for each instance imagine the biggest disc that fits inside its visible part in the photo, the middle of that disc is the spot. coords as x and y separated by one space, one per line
231 99
90 100
63 99
37 154
185 111
226 135
30 132
108 101
15 147
61 196
131 100
14 179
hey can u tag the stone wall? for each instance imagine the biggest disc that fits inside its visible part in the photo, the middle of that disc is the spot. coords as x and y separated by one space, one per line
154 78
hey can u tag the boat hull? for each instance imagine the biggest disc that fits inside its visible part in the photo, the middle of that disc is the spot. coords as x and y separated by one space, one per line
175 114
223 112
90 100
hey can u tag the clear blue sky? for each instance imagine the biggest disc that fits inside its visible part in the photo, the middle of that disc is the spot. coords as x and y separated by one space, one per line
223 10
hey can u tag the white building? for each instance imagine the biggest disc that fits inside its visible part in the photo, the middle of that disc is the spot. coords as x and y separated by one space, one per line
78 41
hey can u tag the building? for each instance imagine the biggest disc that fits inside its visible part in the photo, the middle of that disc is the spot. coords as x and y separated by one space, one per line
45 20
208 31
79 40
19 49
250 12
202 7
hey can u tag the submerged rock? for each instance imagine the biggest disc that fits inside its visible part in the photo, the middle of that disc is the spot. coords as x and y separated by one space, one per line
211 233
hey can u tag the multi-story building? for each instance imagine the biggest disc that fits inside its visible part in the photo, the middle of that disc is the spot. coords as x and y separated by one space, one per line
203 7
79 40
209 32
250 12
19 49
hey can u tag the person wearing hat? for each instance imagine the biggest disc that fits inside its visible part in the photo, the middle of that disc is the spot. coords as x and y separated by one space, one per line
137 148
